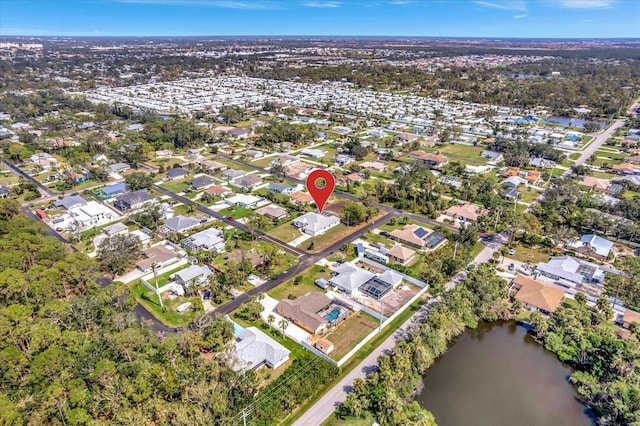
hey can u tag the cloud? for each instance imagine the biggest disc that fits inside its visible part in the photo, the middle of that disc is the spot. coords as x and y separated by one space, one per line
322 4
524 15
519 5
401 2
584 4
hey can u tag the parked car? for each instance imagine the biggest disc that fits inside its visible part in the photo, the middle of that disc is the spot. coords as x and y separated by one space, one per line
230 218
512 252
385 234
512 267
203 220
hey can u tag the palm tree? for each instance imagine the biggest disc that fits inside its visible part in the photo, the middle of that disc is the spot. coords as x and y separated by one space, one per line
283 325
155 275
271 319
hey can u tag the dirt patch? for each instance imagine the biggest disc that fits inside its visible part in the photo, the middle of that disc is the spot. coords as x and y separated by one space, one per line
392 301
336 207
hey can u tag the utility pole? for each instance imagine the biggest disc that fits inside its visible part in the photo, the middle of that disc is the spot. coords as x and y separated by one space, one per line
455 250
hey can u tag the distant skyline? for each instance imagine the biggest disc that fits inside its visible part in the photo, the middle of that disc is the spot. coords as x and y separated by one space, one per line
429 18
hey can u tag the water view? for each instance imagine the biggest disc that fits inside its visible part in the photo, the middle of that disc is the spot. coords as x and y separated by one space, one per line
578 123
498 375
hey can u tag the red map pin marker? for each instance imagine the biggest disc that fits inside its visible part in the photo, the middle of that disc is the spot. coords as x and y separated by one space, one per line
320 194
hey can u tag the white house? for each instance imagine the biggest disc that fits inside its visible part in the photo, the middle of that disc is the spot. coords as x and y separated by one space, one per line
316 224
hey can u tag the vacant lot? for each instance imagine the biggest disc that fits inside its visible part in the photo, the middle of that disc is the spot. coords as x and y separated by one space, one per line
286 232
350 332
392 301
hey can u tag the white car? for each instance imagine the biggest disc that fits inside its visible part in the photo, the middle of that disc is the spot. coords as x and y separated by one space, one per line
512 252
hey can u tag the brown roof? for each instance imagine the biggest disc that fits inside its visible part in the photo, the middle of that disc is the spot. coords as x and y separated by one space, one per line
272 211
512 171
218 190
324 345
631 316
594 182
428 156
304 310
407 234
155 254
625 167
537 294
301 197
400 252
468 211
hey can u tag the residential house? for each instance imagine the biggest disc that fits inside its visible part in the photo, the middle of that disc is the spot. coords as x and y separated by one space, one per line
211 239
243 200
430 159
195 152
633 160
113 190
452 181
194 274
380 285
159 255
281 188
70 201
304 311
179 224
630 317
273 212
418 236
377 166
325 346
285 160
401 255
571 272
537 296
177 173
253 154
255 349
118 167
592 245
201 182
316 224
239 133
134 127
465 213
300 197
351 178
214 166
513 182
492 156
600 185
314 153
115 229
90 214
541 163
349 278
343 159
219 191
247 182
626 169
511 194
133 200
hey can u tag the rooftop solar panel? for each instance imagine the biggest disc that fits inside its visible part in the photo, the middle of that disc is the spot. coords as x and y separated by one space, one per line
420 232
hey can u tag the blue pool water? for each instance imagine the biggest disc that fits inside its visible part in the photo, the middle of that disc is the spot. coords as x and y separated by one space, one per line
333 315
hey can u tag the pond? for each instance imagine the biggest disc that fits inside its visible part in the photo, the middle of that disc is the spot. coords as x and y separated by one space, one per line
498 375
578 123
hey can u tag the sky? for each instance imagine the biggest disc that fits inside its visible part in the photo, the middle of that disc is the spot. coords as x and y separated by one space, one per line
433 18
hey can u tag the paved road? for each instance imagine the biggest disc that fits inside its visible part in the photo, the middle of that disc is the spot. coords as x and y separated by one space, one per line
19 172
322 409
184 200
595 144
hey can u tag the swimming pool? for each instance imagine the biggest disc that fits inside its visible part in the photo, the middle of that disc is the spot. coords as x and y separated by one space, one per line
333 315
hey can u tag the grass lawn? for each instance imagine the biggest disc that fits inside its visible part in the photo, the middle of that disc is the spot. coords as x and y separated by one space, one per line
462 152
630 195
236 212
181 210
528 254
165 161
528 195
286 232
557 171
574 156
315 244
176 185
365 420
168 314
350 332
602 175
603 162
306 285
610 154
232 165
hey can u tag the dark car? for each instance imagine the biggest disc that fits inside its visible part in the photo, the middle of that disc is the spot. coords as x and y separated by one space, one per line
230 218
206 295
203 220
385 234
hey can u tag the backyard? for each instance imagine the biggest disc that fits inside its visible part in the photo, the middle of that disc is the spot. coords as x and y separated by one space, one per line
302 287
167 314
350 332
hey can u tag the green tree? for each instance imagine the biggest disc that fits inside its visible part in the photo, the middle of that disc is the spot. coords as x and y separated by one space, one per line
117 252
138 180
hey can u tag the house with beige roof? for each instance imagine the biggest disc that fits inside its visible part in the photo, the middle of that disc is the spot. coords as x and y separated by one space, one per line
630 317
401 255
465 213
418 236
537 296
304 311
